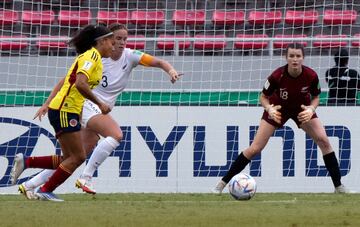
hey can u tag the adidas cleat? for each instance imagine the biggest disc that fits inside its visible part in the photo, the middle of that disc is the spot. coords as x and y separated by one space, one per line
85 185
343 190
219 187
47 196
18 168
28 193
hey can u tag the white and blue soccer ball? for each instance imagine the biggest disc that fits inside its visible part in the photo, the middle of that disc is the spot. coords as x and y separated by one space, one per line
242 186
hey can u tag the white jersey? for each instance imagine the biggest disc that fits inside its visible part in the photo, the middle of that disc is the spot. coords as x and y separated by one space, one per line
116 75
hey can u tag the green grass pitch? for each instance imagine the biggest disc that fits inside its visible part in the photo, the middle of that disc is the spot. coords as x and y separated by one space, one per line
127 209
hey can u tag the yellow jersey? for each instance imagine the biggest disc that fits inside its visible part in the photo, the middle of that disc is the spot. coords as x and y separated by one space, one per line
69 99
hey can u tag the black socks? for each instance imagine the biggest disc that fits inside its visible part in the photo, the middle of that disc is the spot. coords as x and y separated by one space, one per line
332 166
236 167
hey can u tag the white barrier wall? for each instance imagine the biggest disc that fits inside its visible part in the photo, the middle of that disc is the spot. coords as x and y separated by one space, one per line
200 72
188 149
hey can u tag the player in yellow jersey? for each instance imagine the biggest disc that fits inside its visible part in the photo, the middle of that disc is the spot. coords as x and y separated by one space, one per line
91 43
95 124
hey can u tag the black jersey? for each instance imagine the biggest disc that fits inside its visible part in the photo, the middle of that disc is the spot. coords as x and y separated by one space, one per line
343 84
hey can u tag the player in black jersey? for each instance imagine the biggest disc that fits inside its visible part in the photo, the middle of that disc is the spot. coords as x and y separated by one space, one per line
343 82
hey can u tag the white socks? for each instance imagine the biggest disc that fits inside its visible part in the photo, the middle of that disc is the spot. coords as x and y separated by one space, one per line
100 153
39 179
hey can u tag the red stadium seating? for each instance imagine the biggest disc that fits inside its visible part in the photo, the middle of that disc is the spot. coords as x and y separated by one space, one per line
335 17
8 17
300 17
38 17
221 17
148 17
248 44
330 44
188 17
265 18
74 18
210 45
139 44
357 42
63 2
284 44
46 44
109 17
13 45
170 45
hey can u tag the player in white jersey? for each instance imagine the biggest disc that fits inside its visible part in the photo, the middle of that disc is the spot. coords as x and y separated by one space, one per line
116 73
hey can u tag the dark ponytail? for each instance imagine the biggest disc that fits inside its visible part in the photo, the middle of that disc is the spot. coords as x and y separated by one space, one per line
86 38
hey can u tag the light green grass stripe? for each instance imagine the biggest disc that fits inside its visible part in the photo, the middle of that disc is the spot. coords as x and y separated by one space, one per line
148 98
183 209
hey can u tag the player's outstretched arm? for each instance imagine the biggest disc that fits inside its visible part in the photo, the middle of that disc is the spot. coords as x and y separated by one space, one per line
45 107
162 64
272 110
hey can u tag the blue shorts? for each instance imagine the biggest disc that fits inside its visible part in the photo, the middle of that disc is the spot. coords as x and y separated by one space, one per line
63 121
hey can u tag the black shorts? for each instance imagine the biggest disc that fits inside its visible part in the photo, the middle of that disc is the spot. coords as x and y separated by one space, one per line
63 121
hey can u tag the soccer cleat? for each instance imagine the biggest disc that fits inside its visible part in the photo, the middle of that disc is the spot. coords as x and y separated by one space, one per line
46 196
219 187
18 168
27 192
85 185
343 190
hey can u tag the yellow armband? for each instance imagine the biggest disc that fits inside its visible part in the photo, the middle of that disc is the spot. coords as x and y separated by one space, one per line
146 60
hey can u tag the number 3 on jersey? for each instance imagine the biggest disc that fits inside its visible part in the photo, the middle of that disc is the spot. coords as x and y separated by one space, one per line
104 81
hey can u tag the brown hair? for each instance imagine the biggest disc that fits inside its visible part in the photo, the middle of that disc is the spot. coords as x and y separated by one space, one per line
117 26
295 46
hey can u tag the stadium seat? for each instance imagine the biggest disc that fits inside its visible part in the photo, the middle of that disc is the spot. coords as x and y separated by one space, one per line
336 17
284 44
300 17
248 44
13 45
8 17
357 42
221 17
38 17
265 18
210 45
109 17
188 17
145 4
330 44
74 18
132 44
46 44
147 17
170 45
63 2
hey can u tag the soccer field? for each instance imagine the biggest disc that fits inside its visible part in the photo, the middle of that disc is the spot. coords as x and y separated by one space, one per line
183 210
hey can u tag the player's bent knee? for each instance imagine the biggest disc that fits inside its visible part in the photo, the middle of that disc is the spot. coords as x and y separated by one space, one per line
118 137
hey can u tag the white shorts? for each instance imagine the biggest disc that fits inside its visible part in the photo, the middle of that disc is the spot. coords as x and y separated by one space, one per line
89 110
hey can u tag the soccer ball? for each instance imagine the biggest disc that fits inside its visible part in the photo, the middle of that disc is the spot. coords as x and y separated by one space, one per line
242 186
